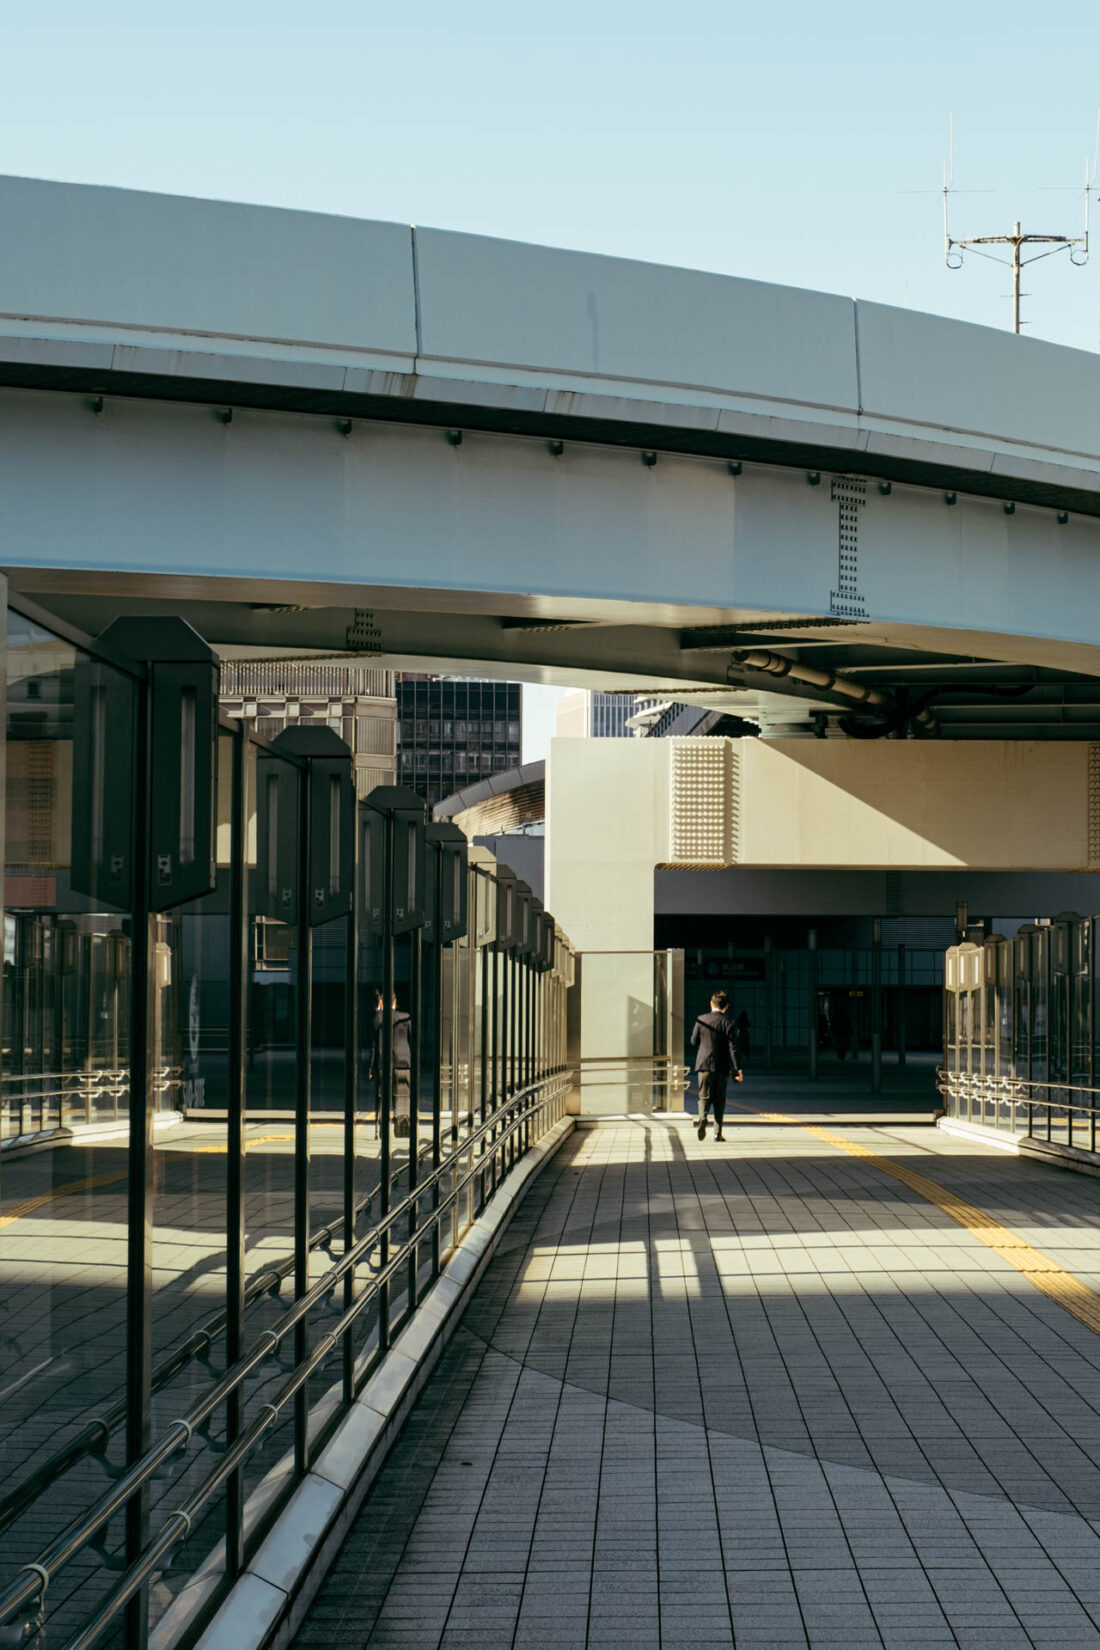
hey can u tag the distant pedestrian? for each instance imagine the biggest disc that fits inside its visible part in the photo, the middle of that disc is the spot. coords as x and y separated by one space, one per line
715 1037
401 1064
744 1038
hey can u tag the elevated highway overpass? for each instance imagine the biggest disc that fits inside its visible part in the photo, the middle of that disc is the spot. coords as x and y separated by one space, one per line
309 432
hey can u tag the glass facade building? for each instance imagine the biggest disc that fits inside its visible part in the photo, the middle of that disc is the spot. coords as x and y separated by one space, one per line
222 1194
608 713
453 732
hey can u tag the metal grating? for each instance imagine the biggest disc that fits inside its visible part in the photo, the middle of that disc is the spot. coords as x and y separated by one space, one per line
704 803
849 497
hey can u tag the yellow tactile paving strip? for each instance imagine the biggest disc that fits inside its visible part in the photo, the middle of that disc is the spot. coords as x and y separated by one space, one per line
1040 1270
30 1204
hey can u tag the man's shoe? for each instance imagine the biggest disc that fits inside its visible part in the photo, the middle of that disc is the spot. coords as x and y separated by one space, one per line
719 1137
701 1130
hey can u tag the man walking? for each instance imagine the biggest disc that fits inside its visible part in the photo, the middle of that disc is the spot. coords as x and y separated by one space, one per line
401 1061
715 1036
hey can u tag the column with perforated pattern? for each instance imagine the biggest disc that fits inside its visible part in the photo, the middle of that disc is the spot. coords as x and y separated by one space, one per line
704 803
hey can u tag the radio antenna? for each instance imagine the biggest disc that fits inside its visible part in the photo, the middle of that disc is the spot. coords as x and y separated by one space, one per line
955 247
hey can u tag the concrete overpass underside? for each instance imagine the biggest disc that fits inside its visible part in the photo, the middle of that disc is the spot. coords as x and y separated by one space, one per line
358 439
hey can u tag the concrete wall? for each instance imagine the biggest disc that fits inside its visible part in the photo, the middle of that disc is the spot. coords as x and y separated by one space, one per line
606 826
913 806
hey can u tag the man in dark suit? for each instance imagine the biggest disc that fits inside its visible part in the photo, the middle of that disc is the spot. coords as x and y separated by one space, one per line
401 1063
715 1037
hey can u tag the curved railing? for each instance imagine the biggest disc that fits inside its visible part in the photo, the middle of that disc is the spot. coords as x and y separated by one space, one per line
450 1195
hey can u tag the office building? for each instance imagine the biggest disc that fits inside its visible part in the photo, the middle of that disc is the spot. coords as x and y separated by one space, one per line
453 732
356 701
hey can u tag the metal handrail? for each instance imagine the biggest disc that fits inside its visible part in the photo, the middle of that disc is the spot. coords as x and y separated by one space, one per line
629 1059
32 1581
1019 1089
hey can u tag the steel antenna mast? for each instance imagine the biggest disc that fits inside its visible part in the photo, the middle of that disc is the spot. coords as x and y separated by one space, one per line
1076 245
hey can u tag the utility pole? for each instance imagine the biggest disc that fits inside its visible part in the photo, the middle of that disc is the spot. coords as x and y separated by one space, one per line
954 247
1077 246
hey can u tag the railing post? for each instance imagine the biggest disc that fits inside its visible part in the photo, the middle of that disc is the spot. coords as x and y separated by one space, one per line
139 1214
876 1005
385 1092
768 1038
902 1028
235 1143
437 1067
415 1003
303 1099
352 1074
811 949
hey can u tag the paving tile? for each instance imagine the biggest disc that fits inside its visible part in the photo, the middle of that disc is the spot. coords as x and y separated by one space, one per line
762 1390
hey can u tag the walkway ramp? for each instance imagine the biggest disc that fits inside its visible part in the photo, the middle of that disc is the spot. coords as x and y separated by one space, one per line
763 1393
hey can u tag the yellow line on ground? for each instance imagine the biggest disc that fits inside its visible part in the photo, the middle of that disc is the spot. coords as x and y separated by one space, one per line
256 1140
1040 1270
30 1204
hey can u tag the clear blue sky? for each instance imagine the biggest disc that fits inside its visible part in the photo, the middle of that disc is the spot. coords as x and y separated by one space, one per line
771 141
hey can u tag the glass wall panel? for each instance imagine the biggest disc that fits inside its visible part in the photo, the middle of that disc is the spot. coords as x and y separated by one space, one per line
65 1090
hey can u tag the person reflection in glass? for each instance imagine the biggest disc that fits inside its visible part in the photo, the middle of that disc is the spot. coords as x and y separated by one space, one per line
401 1063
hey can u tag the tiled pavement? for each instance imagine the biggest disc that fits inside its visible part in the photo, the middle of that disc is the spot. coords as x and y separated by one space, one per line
758 1394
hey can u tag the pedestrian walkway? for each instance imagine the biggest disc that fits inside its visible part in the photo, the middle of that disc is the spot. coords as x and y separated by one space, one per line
763 1394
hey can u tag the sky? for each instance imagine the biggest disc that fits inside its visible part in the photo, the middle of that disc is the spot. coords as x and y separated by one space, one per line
797 143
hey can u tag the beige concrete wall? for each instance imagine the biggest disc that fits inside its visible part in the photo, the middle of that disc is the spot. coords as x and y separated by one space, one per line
804 803
607 819
914 804
617 808
606 830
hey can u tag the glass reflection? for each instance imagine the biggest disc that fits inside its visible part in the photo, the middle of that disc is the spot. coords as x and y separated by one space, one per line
63 1123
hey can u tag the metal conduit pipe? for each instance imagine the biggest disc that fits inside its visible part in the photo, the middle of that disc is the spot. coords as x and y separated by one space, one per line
777 664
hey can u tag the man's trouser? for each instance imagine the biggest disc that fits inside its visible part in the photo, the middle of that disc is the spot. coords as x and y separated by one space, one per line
402 1098
712 1092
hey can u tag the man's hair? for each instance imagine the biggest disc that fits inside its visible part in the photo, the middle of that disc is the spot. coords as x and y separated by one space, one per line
719 1000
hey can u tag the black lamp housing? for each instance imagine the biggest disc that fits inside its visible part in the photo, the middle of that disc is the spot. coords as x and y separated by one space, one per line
396 806
446 882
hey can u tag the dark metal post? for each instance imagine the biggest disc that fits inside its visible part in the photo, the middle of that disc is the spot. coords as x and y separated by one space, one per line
386 1089
901 1007
494 1097
351 1114
505 1056
811 955
876 1005
768 1052
303 1099
513 1051
437 1065
483 1067
532 1026
235 1144
1091 932
415 1003
139 1234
